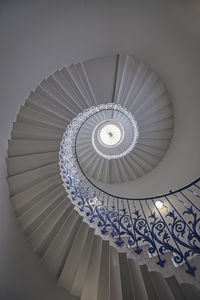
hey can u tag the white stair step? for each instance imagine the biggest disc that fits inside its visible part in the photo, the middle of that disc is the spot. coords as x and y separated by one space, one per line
151 291
71 89
89 164
137 281
35 211
157 126
122 171
191 292
95 165
156 155
61 87
143 163
43 247
138 169
154 123
90 287
44 234
159 143
145 89
162 114
27 131
158 134
152 160
48 91
175 288
86 161
149 90
83 75
50 107
158 152
24 200
136 84
85 152
35 223
82 89
104 276
28 205
153 107
165 124
114 171
149 100
73 259
105 171
120 71
101 73
58 250
126 65
65 88
161 286
83 141
20 147
88 126
32 116
131 174
115 277
102 171
84 261
153 101
84 148
20 182
20 164
126 283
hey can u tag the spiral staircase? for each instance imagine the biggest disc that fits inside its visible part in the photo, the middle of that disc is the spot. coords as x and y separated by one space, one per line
89 263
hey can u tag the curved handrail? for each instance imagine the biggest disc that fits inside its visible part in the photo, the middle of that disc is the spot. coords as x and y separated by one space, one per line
140 221
127 198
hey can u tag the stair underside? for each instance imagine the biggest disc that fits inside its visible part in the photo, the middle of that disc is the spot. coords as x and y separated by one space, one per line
81 261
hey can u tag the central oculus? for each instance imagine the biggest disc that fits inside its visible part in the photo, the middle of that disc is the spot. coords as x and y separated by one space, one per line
114 131
110 134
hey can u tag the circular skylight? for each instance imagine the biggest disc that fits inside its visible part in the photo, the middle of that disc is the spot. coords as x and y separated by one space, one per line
115 133
110 135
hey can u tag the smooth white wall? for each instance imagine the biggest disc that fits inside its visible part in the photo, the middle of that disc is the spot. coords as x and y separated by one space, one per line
39 37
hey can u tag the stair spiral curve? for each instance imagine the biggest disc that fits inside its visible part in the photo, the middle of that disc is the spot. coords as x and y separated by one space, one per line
85 264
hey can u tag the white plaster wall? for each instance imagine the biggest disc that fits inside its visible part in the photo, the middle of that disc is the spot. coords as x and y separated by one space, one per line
38 37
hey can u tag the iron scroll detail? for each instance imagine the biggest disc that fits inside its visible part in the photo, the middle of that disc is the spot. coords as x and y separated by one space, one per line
137 221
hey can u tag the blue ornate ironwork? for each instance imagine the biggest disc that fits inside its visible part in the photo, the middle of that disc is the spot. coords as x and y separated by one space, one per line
174 228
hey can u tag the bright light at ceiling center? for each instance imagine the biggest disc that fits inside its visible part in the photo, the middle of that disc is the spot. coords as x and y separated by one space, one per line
110 134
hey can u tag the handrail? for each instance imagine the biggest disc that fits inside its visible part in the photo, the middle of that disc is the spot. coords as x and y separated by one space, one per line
127 198
140 219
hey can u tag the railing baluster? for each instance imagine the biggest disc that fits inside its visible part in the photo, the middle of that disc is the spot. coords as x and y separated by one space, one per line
197 185
181 256
189 200
105 230
194 193
179 213
138 250
154 248
119 241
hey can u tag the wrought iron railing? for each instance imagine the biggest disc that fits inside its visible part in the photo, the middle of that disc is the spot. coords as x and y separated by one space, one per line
175 227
